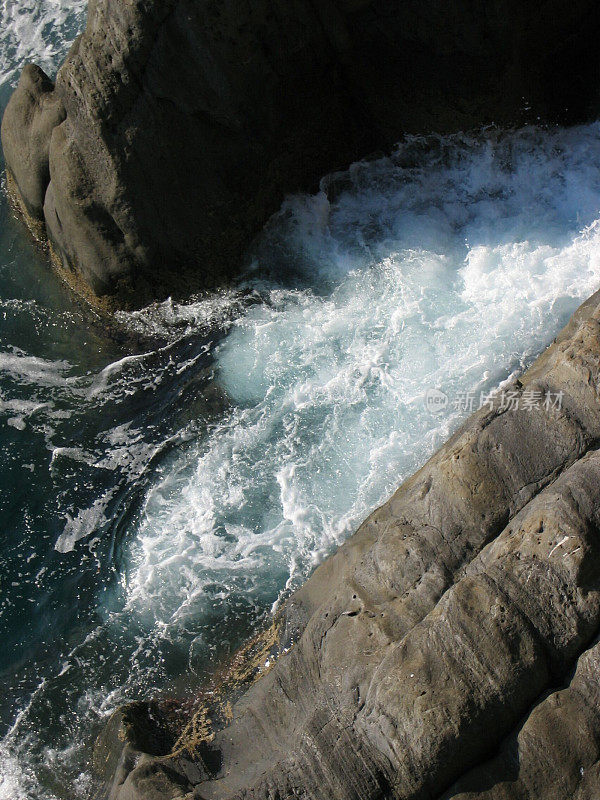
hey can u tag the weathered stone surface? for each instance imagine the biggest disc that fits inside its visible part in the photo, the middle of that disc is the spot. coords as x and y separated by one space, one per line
187 122
437 636
555 755
33 112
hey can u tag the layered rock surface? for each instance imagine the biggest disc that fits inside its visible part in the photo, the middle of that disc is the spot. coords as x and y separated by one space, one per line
175 128
451 639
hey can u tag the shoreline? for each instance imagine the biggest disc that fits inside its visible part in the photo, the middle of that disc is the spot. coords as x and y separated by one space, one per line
488 512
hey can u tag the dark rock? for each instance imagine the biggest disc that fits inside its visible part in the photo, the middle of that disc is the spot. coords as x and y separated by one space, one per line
131 735
188 122
436 637
33 112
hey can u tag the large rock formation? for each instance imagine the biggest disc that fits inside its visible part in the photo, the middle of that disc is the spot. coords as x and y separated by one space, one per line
176 127
437 645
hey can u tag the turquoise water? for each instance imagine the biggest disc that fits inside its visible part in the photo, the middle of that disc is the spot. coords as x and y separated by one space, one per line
162 489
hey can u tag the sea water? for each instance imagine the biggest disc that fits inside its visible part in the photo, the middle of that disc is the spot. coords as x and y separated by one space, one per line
162 493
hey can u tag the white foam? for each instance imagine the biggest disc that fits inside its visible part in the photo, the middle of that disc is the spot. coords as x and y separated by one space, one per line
83 523
174 321
31 30
18 781
450 265
32 370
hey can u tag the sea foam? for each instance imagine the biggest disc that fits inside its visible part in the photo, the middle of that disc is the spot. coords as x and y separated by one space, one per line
36 31
448 266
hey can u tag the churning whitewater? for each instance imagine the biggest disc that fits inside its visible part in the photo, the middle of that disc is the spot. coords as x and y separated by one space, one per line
158 503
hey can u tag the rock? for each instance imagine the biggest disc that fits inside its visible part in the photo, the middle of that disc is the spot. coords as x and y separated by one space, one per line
555 755
432 647
188 122
133 733
33 112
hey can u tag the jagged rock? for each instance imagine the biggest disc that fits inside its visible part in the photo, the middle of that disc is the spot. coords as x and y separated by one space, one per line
188 122
426 645
136 729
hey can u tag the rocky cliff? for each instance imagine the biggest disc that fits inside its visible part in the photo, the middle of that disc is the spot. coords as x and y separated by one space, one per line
175 128
448 649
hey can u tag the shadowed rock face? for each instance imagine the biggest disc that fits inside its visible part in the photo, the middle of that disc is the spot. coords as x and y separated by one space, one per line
453 638
187 121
